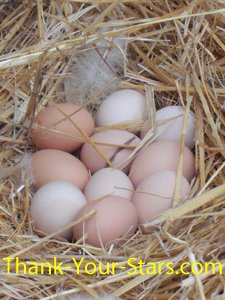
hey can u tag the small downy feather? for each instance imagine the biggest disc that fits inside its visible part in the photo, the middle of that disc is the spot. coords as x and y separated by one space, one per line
96 73
20 170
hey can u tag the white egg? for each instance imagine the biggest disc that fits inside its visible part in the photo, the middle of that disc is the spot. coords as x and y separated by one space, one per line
107 182
123 106
55 205
169 122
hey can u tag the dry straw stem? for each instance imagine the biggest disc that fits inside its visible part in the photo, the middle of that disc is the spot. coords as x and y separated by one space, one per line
175 54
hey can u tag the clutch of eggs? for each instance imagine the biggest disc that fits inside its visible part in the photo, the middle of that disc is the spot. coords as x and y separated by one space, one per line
65 189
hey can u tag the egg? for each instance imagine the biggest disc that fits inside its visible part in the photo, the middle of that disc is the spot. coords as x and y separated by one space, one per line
50 164
115 218
158 156
94 161
108 182
55 205
169 122
61 127
155 194
122 106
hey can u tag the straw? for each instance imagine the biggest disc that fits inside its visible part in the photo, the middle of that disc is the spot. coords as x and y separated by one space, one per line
175 55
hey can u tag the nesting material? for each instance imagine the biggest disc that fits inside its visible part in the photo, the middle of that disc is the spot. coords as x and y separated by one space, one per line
87 297
80 51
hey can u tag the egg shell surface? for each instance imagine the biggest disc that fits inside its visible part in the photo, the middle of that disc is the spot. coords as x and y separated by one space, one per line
158 156
122 106
63 119
155 194
50 164
94 161
169 122
55 205
115 218
108 182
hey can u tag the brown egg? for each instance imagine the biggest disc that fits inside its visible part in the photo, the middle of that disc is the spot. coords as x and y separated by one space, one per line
162 155
51 164
94 161
115 218
155 194
61 122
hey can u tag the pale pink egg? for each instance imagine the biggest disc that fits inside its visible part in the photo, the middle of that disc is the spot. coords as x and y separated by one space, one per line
162 155
117 155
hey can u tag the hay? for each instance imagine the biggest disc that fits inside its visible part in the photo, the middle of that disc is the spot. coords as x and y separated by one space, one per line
175 52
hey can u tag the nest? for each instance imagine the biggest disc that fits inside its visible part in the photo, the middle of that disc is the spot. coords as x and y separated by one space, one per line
175 54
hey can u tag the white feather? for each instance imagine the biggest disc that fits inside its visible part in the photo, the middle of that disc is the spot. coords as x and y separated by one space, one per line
96 72
20 170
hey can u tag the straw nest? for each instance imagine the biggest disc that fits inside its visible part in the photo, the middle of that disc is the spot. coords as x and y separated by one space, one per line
175 53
